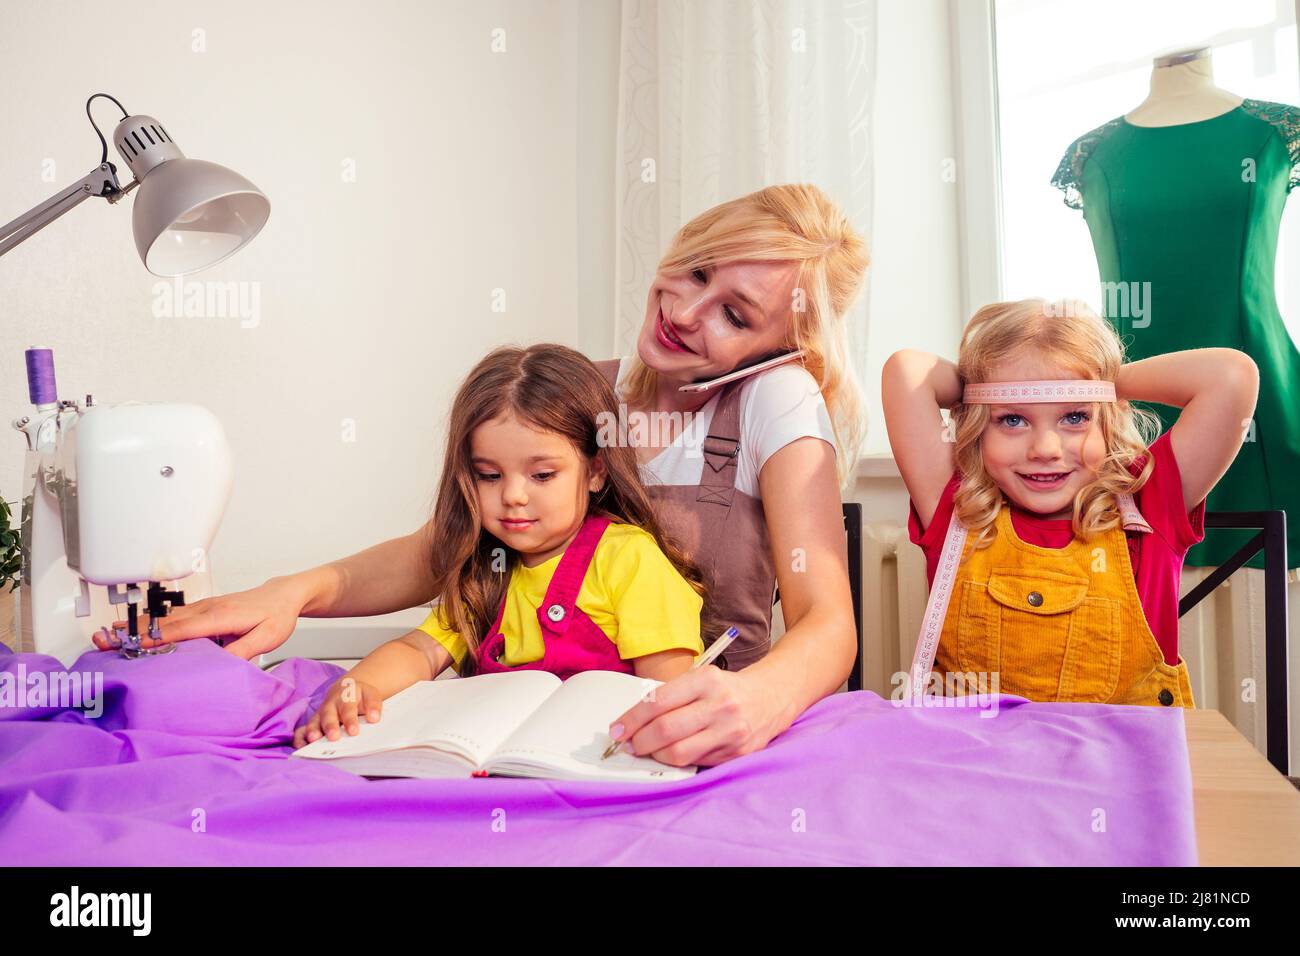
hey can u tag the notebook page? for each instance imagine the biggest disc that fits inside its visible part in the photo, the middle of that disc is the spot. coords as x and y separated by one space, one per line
470 715
571 730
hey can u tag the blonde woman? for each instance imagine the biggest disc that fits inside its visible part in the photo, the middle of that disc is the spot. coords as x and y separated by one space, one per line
746 478
1077 521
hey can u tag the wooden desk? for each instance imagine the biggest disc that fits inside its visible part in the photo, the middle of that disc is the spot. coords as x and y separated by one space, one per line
1247 814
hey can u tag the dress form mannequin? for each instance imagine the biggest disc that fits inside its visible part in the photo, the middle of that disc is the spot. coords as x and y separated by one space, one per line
1182 91
1183 198
1184 202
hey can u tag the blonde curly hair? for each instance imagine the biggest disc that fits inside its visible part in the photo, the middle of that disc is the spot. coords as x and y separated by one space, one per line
1069 334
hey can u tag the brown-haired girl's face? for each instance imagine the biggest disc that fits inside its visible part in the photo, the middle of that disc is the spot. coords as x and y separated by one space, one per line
709 322
1041 455
532 487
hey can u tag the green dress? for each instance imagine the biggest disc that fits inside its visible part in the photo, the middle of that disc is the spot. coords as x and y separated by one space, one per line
1184 221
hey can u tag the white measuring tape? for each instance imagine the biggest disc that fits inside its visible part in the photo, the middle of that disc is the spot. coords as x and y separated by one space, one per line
954 541
936 608
1007 393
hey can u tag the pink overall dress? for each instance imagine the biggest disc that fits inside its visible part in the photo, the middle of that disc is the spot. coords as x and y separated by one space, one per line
572 642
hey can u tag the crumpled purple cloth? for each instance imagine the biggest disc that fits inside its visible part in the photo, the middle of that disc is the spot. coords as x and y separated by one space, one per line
187 765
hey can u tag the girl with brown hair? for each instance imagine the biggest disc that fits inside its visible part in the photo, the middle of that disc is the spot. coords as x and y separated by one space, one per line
546 551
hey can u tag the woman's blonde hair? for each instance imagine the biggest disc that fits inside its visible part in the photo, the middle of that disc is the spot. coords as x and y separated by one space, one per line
1069 334
796 223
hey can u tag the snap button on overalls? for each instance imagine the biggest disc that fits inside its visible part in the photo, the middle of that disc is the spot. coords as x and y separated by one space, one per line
1057 624
572 643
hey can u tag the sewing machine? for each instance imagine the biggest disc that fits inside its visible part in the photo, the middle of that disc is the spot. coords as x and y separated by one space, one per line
125 498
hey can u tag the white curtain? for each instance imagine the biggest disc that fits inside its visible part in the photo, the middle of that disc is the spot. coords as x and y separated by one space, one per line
718 98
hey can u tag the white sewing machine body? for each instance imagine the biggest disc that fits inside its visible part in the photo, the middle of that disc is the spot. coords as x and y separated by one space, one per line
114 495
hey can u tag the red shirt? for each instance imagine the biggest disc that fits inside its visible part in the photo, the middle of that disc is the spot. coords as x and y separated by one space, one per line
1157 558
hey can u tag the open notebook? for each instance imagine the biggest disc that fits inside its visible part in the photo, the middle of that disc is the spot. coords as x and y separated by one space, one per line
523 724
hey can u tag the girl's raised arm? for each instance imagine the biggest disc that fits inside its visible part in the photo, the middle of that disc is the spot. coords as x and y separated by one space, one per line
1216 389
915 386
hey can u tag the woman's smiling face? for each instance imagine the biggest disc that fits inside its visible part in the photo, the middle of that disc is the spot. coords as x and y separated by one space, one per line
707 323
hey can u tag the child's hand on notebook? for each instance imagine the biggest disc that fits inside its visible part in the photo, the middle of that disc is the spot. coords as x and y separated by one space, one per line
345 700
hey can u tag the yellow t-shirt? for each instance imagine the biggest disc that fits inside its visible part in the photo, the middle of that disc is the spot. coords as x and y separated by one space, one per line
631 591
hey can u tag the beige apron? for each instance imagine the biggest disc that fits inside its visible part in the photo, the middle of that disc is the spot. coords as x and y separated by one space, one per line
724 531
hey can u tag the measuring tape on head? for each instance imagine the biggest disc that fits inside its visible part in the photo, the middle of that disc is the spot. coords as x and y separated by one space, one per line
1009 393
954 541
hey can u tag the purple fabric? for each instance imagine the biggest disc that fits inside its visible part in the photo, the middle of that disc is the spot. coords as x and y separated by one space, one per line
854 781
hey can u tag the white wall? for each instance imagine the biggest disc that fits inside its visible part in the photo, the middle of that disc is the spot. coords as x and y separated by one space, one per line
375 295
474 171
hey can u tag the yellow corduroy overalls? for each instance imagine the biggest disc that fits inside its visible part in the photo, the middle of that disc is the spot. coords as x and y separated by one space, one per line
1056 624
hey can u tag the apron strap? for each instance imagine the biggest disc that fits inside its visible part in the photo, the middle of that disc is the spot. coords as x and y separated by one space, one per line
609 369
721 449
721 446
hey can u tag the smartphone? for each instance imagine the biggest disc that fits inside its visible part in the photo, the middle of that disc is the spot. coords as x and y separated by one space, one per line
762 366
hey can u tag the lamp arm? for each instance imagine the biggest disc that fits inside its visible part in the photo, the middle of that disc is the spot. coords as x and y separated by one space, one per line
100 181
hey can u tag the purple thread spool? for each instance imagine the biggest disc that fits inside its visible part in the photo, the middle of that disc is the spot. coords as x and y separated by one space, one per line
40 376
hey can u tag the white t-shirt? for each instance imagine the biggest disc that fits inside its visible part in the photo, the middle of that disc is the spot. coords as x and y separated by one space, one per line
777 407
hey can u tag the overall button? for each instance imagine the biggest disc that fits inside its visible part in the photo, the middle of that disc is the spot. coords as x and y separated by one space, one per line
1165 697
555 612
1035 599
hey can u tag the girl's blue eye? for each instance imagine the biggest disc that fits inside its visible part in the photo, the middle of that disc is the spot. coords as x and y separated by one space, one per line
1010 420
1076 418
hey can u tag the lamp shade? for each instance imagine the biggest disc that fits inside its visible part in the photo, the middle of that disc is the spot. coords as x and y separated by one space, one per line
189 214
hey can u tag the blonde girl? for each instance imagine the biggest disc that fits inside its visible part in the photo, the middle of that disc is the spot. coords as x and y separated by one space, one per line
1076 516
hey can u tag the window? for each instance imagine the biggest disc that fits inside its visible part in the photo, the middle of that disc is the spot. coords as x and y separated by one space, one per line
1064 68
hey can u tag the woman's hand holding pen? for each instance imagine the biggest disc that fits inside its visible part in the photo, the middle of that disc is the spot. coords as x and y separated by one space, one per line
704 717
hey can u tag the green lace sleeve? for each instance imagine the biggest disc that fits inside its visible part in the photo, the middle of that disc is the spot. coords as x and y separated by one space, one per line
1069 174
1286 120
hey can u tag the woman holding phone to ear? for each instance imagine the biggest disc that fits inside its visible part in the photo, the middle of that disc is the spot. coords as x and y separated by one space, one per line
748 483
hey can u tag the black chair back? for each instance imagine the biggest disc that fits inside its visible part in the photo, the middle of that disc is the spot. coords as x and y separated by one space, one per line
1272 541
